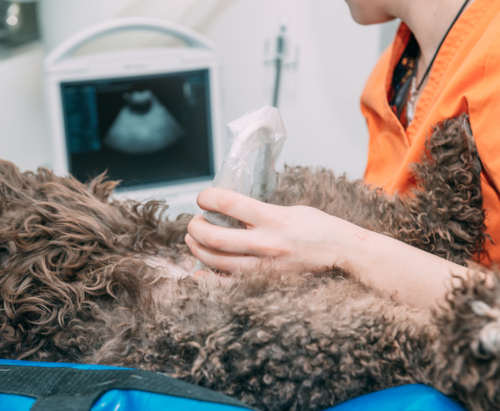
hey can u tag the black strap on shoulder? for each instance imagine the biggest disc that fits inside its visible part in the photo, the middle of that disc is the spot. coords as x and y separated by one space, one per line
70 389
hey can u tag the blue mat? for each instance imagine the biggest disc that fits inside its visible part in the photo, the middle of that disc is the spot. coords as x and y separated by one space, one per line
113 400
403 398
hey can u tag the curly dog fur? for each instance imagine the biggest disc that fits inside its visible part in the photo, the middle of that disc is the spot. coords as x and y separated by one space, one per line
84 278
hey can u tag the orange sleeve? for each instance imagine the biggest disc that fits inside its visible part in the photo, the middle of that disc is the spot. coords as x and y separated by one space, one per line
483 100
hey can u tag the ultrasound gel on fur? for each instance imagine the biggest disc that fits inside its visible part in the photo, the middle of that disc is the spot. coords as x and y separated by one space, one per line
249 167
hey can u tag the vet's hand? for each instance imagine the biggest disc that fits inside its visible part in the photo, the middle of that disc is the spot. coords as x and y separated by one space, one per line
281 239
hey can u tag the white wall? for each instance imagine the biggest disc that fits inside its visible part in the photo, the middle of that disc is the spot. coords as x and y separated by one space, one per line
59 20
24 137
320 99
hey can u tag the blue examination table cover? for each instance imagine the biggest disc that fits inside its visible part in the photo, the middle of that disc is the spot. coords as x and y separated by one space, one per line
404 398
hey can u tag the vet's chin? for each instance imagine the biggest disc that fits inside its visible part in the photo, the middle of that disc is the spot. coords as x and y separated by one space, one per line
367 12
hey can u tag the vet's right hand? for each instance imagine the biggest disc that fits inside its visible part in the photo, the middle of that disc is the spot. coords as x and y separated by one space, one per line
276 238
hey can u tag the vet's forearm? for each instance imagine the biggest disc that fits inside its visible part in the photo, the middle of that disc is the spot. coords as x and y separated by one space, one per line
413 276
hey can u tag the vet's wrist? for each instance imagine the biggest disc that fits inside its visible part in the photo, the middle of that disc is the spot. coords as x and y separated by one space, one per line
350 245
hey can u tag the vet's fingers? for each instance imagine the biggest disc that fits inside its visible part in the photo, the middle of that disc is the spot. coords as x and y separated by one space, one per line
236 205
233 240
231 263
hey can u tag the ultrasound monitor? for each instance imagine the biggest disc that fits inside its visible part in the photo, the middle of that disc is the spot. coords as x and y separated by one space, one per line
146 116
143 131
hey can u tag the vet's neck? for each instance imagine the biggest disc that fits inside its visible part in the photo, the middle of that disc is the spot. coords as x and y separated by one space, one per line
428 20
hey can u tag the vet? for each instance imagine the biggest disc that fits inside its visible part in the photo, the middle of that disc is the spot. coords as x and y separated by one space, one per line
444 61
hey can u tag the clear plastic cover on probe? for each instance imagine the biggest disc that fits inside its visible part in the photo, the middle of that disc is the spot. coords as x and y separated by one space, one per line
249 167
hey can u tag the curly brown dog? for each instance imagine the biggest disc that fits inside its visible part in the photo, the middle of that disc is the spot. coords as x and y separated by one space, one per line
84 278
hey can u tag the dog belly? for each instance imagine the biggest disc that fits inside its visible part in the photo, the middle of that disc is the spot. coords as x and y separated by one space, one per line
166 268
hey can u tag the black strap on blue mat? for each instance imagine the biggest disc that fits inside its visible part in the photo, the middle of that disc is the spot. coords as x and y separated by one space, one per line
70 389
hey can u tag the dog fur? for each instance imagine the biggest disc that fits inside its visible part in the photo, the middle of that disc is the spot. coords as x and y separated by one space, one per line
85 278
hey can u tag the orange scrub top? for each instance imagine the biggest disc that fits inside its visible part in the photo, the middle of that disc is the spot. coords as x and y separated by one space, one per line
465 78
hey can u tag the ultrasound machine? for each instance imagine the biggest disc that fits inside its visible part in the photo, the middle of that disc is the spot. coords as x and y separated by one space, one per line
149 117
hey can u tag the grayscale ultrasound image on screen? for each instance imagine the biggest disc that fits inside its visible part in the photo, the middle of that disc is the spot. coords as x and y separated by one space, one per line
142 130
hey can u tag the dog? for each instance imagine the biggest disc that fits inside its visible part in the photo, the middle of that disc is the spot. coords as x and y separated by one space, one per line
87 278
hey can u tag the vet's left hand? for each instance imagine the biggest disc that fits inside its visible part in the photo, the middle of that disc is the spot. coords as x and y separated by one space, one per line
281 239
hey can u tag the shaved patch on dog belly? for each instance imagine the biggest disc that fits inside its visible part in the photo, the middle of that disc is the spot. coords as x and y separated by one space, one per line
166 268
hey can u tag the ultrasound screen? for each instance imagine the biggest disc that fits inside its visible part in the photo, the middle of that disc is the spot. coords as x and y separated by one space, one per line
144 130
